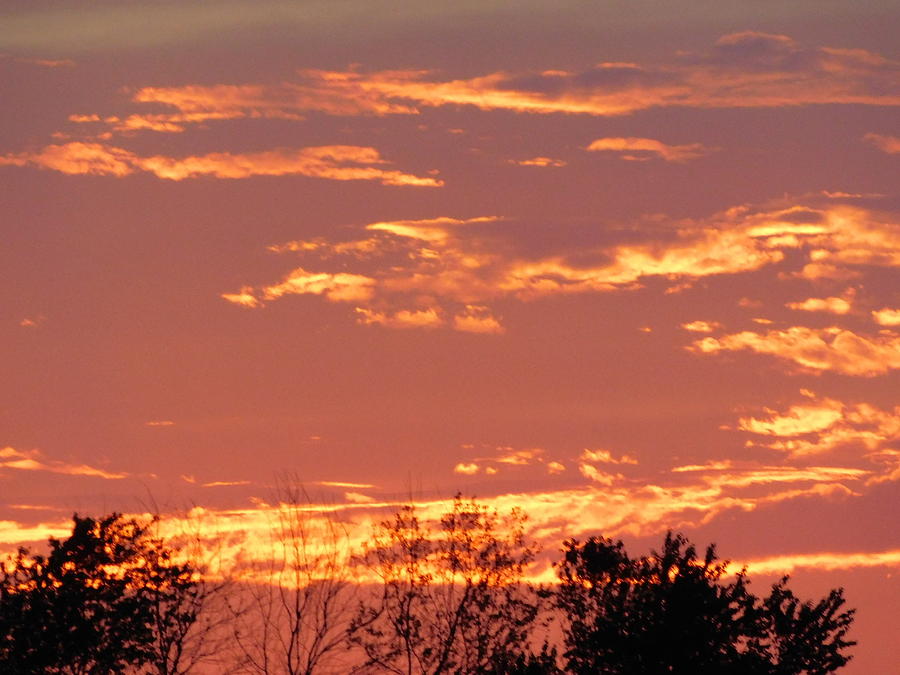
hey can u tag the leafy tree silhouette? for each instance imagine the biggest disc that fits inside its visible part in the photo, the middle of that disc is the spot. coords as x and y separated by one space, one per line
110 598
672 612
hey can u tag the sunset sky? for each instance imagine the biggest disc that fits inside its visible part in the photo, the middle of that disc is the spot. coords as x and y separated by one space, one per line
630 265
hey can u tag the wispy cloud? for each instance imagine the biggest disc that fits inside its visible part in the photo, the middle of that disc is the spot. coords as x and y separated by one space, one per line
822 424
887 316
641 149
740 70
684 497
785 564
700 326
467 468
540 162
831 305
477 319
888 144
815 350
225 483
335 162
344 484
404 318
449 272
606 457
34 460
42 63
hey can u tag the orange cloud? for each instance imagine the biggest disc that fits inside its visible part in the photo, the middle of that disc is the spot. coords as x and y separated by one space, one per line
702 326
540 161
477 319
466 468
728 475
831 305
823 424
77 158
608 504
340 287
319 91
695 253
816 350
244 297
358 498
741 70
555 468
606 457
592 473
423 318
43 63
888 144
748 69
887 316
449 271
33 460
519 457
642 149
341 484
797 420
337 162
786 564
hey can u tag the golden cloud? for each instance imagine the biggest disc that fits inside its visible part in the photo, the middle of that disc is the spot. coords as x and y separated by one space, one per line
605 457
689 496
701 326
540 162
448 271
888 144
466 468
824 424
33 460
336 162
748 69
555 468
477 319
76 158
592 473
832 305
786 564
815 350
641 149
887 316
405 318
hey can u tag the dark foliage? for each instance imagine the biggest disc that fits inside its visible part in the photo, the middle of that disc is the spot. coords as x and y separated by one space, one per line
672 612
110 598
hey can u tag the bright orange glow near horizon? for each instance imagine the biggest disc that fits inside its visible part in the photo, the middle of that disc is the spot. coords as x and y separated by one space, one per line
628 274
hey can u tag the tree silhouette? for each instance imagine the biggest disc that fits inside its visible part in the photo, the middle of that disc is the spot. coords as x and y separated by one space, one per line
107 599
452 600
672 612
290 614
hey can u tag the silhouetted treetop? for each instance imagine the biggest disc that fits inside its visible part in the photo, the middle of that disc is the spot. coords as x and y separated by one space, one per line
675 612
109 598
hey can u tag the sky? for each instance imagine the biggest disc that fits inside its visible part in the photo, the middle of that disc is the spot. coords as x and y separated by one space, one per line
630 266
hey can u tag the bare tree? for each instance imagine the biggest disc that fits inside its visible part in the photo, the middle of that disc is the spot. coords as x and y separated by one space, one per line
290 612
452 599
188 617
